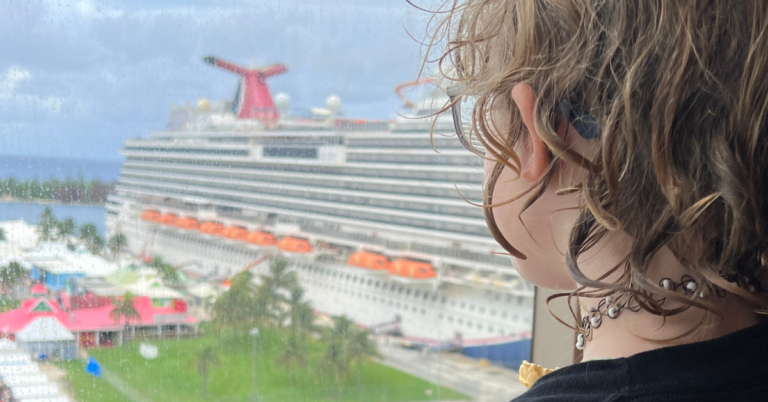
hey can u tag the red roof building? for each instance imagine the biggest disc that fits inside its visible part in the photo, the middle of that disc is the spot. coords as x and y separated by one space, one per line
93 326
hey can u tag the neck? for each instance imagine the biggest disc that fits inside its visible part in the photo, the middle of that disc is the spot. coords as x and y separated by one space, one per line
635 332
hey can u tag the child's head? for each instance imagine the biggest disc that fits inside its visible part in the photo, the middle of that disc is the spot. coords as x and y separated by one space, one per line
643 120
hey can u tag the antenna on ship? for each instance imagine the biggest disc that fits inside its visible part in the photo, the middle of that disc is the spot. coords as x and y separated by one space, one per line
253 100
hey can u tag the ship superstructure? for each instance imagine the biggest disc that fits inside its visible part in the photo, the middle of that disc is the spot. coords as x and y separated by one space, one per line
369 214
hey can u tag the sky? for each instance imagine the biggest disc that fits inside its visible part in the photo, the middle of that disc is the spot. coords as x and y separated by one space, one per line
80 77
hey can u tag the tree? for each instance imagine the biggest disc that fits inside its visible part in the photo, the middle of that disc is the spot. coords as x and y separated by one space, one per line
204 360
65 229
347 346
235 307
10 276
47 224
167 272
301 325
124 308
96 244
274 286
87 232
336 357
361 350
2 234
117 243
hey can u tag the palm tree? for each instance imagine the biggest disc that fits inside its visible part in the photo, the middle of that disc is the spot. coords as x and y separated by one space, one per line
361 350
347 346
204 360
65 229
88 233
124 308
336 356
274 285
235 307
96 244
117 243
47 224
302 323
167 272
10 276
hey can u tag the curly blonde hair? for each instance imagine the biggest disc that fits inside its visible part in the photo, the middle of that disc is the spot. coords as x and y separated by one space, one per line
679 90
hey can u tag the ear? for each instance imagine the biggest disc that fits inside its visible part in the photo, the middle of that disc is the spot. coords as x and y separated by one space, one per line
525 100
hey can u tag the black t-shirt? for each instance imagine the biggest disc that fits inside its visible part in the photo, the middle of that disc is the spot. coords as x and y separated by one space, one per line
731 368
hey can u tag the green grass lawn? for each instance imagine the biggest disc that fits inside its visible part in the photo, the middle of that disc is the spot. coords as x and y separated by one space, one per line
87 387
173 375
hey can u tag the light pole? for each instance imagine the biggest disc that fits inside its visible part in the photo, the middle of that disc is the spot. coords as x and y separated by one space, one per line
254 333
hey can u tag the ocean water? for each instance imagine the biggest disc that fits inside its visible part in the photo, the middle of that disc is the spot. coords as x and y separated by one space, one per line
30 167
31 213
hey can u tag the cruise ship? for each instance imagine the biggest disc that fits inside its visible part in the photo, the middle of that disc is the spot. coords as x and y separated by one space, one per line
373 216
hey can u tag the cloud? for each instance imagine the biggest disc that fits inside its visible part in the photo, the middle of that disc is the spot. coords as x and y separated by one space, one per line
108 70
10 81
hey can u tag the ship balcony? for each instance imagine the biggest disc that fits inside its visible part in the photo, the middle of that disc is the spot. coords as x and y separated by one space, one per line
223 163
301 206
450 207
407 187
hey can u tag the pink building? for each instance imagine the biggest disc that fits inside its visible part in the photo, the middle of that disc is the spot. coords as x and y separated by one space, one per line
93 326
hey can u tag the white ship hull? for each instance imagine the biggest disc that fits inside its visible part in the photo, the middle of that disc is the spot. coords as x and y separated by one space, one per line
491 323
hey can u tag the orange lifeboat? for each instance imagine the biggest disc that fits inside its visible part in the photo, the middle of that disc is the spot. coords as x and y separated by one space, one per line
168 219
294 245
212 228
235 233
412 269
260 239
188 223
150 215
365 259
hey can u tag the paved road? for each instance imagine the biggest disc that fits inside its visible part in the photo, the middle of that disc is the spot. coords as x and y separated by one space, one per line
484 384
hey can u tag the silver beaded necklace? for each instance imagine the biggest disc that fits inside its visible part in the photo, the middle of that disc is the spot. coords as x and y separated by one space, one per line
612 306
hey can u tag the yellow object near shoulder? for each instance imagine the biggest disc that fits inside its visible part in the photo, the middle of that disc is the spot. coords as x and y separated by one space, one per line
529 373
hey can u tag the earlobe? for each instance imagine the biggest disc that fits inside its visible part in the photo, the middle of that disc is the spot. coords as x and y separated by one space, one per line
525 100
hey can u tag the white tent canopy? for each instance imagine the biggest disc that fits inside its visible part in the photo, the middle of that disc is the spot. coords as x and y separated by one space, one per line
14 370
35 390
20 233
13 380
44 329
8 345
44 399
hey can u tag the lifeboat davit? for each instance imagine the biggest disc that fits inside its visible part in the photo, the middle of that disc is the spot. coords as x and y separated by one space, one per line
260 239
410 269
368 260
235 232
168 219
188 223
212 228
294 245
150 215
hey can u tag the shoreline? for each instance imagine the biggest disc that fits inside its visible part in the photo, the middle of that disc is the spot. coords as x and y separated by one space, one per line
7 200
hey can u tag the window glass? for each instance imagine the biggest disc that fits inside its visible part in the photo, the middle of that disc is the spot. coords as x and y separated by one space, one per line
209 200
